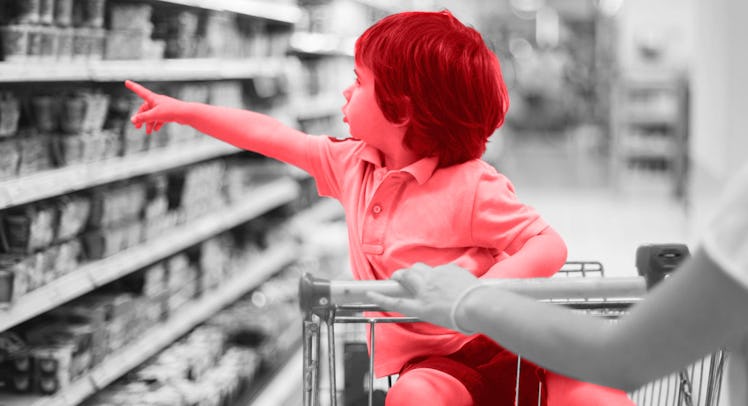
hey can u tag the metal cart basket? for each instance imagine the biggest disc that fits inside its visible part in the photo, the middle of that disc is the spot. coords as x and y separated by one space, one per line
579 285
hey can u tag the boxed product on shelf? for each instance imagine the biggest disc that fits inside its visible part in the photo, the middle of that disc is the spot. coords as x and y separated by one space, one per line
11 154
14 269
105 242
86 314
89 13
67 149
65 39
35 152
130 17
155 280
10 112
63 13
73 215
49 43
29 228
88 43
127 44
15 42
45 112
214 261
180 31
116 204
68 257
84 111
52 367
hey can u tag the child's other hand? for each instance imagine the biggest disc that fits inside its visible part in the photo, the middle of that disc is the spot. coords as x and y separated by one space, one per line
433 292
156 109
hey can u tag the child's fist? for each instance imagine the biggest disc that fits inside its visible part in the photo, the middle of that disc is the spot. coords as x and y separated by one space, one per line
156 109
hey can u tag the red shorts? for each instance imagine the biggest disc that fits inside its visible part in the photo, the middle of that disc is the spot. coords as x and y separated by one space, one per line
488 372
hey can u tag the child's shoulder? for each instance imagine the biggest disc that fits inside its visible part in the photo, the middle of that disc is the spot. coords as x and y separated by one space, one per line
477 169
472 176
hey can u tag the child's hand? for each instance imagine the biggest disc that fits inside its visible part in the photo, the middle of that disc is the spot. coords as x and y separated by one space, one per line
434 291
156 109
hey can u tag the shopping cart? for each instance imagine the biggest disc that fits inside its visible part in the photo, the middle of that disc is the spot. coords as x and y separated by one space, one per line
579 285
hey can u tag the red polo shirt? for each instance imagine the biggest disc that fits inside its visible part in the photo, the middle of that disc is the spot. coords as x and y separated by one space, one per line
466 213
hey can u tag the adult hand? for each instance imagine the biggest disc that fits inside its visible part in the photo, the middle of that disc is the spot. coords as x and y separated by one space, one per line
433 292
156 109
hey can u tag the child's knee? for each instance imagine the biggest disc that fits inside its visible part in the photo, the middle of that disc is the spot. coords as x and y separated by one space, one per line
429 386
563 391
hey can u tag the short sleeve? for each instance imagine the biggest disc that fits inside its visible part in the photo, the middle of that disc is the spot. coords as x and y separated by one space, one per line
500 219
726 236
330 159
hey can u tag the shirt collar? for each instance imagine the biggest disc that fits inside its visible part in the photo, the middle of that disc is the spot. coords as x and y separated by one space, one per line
421 169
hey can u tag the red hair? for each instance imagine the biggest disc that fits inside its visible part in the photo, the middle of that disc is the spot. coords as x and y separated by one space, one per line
430 67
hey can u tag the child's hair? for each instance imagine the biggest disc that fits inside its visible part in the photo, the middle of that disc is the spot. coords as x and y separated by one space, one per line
431 67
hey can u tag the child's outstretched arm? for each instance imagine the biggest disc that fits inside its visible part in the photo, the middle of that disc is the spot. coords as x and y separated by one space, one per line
242 128
541 256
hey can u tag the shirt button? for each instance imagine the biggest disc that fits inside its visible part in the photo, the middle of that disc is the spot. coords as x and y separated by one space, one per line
376 209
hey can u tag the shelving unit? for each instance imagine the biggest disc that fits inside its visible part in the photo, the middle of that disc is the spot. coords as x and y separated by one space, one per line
98 273
50 183
159 337
650 133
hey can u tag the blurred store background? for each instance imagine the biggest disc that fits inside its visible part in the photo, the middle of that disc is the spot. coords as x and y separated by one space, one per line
124 258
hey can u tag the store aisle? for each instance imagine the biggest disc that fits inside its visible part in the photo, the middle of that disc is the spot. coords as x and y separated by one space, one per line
568 181
602 225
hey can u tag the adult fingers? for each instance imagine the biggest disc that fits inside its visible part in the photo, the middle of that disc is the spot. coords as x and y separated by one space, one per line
140 90
412 278
398 304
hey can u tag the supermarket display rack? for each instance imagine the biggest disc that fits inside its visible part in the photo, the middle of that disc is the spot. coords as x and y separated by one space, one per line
78 177
101 272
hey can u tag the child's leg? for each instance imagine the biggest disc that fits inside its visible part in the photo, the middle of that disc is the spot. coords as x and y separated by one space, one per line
428 387
564 391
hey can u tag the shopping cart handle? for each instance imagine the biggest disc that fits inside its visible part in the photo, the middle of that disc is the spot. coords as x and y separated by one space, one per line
318 294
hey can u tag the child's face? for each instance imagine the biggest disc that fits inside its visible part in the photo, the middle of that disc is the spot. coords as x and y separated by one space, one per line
362 113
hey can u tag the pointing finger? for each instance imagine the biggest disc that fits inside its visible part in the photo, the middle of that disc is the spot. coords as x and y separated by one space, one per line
141 91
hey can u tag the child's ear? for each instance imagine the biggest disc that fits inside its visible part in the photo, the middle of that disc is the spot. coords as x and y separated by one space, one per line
406 111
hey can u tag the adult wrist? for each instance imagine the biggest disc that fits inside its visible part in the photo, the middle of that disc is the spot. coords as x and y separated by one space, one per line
457 311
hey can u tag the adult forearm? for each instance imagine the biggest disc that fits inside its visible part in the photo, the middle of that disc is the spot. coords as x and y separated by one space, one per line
556 338
686 317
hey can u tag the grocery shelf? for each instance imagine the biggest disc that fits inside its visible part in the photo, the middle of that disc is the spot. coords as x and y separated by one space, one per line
286 385
142 70
326 209
269 10
71 178
95 274
161 336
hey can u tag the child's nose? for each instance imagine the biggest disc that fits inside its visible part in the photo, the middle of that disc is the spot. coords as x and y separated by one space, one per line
347 93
